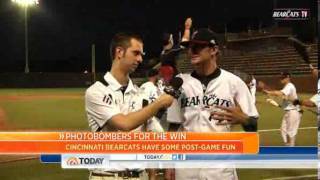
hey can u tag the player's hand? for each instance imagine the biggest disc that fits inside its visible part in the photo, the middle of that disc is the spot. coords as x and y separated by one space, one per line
233 115
165 100
169 174
188 23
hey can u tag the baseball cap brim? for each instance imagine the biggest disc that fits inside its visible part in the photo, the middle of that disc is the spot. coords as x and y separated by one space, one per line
186 44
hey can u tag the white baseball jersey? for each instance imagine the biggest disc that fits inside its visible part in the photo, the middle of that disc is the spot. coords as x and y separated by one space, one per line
192 109
151 90
161 86
315 98
253 89
103 101
289 90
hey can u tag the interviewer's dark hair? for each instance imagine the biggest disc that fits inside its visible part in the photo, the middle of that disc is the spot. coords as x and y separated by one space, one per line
122 40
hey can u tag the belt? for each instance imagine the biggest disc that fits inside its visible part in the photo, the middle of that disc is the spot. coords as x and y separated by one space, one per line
300 111
123 174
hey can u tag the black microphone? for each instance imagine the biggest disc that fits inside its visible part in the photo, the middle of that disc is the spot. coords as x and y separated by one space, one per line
144 104
174 86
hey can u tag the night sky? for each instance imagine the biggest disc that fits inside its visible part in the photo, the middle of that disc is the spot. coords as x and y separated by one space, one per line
61 31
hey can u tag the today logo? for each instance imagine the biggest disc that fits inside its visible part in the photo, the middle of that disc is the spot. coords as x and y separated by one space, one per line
84 161
74 161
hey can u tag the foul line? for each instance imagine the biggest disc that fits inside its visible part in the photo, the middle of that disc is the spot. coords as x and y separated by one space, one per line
293 177
19 159
267 130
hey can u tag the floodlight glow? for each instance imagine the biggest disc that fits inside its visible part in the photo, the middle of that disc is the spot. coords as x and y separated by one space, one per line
26 2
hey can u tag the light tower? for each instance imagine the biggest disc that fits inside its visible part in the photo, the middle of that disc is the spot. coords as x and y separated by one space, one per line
25 4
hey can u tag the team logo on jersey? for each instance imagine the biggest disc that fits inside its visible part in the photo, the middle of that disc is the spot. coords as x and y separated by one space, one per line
132 105
152 97
210 100
108 99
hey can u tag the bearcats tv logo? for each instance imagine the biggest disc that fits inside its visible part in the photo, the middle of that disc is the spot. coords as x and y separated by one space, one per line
73 161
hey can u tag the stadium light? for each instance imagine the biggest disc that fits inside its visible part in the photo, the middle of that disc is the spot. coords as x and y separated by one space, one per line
26 4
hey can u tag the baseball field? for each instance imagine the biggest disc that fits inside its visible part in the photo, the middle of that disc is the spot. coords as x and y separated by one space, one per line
63 109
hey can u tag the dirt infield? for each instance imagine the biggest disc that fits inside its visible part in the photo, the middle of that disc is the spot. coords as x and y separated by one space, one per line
14 158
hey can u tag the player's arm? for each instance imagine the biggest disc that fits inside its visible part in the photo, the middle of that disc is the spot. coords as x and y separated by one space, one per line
251 124
244 111
246 104
274 93
305 102
266 89
312 102
187 30
134 119
234 115
107 113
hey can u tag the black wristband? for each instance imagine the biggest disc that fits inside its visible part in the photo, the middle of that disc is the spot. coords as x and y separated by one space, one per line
296 102
252 125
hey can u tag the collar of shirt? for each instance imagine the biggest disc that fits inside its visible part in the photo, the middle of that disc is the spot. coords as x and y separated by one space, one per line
115 85
206 79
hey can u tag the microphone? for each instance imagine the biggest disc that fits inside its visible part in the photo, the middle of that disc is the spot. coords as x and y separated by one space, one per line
144 104
174 86
173 90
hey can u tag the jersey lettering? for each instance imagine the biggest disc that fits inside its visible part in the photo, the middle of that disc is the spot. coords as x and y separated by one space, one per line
207 100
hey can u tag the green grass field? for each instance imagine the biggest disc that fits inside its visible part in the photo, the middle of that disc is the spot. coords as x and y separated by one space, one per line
63 109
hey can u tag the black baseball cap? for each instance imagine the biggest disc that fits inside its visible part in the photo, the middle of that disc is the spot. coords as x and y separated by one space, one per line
152 72
285 74
202 36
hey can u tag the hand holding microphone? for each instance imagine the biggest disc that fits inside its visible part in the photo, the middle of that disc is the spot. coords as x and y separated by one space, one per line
173 88
171 92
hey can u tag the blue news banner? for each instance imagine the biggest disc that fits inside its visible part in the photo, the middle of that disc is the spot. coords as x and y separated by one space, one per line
265 153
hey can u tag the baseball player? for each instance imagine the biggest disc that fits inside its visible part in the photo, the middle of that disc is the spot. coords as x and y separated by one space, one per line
152 92
212 100
291 118
115 103
253 87
170 52
314 101
150 87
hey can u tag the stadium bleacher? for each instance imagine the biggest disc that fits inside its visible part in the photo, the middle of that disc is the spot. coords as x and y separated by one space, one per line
262 63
